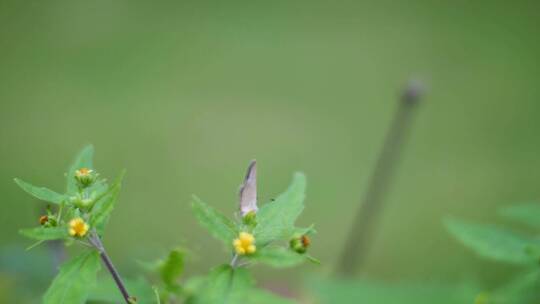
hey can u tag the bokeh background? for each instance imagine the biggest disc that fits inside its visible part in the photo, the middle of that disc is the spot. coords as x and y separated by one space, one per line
184 93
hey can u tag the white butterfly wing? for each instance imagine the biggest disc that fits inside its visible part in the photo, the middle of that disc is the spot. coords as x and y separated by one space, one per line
248 190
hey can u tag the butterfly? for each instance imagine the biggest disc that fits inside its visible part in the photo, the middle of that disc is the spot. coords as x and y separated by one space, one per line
248 190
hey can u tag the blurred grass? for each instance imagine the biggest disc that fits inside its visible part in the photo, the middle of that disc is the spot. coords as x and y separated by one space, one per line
184 94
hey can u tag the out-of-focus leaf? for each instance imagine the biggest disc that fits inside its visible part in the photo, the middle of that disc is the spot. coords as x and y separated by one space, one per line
278 257
492 242
106 290
172 268
40 193
229 285
105 204
223 285
217 224
75 280
83 160
523 289
276 219
307 230
528 214
45 233
363 291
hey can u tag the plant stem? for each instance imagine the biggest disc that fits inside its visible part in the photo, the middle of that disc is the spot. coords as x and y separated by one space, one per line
96 241
234 260
365 222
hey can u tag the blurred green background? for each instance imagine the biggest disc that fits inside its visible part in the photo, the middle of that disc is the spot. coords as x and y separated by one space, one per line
183 94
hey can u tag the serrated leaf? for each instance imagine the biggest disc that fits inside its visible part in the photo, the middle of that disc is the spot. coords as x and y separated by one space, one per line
74 281
217 224
223 285
492 242
276 219
229 285
83 160
105 204
45 233
527 213
40 193
172 268
278 257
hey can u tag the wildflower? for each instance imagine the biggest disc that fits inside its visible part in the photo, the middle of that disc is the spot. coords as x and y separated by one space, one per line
85 176
305 240
78 227
43 219
300 243
244 244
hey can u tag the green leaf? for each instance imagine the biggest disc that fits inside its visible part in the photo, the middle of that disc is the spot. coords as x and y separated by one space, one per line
523 288
172 268
224 285
40 193
229 285
45 233
74 281
83 160
492 242
527 213
276 219
105 204
217 224
279 257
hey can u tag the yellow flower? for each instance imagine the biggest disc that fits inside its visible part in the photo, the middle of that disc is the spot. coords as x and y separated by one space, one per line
85 177
244 244
83 172
78 227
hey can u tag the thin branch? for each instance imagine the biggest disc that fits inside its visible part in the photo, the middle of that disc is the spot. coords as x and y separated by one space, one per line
234 260
365 222
96 241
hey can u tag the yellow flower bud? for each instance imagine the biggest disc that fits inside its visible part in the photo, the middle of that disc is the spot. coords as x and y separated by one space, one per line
244 244
78 227
85 177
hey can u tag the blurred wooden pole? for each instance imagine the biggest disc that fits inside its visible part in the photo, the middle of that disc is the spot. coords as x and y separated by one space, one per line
365 223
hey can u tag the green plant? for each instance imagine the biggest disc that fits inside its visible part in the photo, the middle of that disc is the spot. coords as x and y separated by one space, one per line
78 217
267 235
506 246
